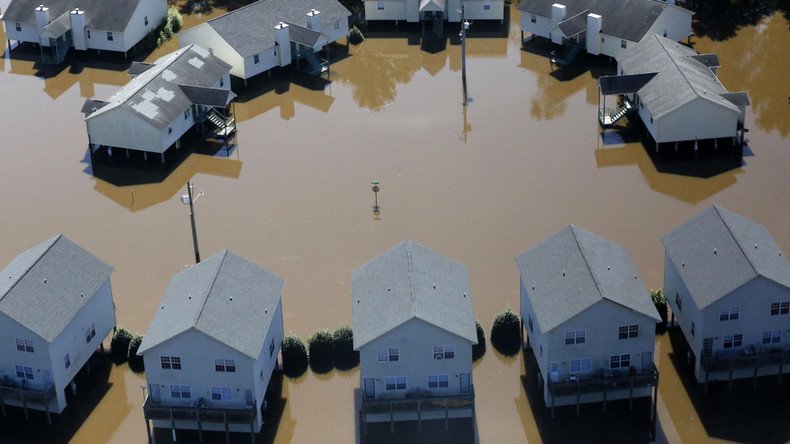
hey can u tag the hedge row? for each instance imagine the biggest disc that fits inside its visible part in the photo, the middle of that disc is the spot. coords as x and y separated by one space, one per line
124 345
325 350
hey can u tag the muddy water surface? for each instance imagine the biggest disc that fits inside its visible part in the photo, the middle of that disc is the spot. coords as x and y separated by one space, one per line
479 184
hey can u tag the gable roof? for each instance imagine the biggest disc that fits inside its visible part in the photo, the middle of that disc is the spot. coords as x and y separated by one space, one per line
718 251
303 36
681 77
410 281
156 94
101 15
574 269
226 297
45 287
250 30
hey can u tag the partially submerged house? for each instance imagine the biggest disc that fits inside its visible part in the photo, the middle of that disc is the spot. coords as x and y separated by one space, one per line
728 285
414 330
588 319
56 307
188 89
57 25
212 347
270 33
607 27
432 13
676 94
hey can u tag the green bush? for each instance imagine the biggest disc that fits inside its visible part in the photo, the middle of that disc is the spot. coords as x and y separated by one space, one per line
119 344
174 19
136 362
479 349
355 36
660 301
344 355
321 350
294 356
506 333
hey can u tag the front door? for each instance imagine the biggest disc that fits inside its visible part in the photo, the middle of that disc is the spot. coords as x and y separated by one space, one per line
370 388
466 382
647 360
153 390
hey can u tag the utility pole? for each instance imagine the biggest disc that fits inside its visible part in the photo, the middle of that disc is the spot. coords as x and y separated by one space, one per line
464 28
187 199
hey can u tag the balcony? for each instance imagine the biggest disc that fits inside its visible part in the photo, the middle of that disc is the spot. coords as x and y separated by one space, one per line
12 393
201 411
604 381
418 400
751 357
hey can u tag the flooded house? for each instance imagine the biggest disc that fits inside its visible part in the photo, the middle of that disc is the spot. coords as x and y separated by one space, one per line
184 92
607 27
414 329
432 13
677 96
728 285
212 346
56 307
588 320
271 33
57 25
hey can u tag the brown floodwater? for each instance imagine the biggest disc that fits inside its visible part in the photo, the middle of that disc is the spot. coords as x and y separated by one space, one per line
479 184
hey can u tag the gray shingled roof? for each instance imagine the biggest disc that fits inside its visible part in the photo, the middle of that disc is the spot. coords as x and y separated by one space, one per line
629 83
101 15
718 251
226 297
47 285
303 36
156 94
406 282
681 77
250 30
573 270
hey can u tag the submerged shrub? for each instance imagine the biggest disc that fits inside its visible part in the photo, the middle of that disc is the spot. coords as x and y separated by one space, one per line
343 341
321 350
174 19
294 356
355 36
506 333
479 349
136 362
119 344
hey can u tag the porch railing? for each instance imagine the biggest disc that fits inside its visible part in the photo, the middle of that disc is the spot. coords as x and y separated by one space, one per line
604 380
419 400
746 357
201 411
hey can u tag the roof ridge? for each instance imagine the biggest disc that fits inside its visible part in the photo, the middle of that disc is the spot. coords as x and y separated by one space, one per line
211 287
234 11
16 281
682 74
737 242
587 263
411 279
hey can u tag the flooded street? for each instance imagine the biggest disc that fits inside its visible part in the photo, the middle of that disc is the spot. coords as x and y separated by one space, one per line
478 184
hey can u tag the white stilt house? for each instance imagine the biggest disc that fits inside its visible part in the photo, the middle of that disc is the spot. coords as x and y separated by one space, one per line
433 13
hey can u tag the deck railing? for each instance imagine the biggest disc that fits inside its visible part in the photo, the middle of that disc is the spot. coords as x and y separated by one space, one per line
201 411
27 396
604 381
419 400
746 358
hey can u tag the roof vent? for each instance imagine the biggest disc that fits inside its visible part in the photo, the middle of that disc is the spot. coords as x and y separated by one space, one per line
230 298
388 289
563 273
755 246
82 295
357 301
434 286
715 252
266 311
533 287
464 294
45 280
636 277
683 264
608 267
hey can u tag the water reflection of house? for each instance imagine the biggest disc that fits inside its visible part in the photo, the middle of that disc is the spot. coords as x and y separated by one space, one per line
588 319
186 90
432 13
108 25
56 307
271 33
728 285
212 347
414 329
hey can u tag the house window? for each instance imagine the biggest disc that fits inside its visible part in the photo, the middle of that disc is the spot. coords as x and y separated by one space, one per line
443 352
388 354
24 372
88 31
109 36
395 383
145 19
581 365
620 361
665 33
180 392
170 362
530 324
222 81
67 360
256 58
438 381
733 341
486 6
628 331
623 43
221 394
18 26
186 114
533 19
25 345
225 365
692 328
271 348
729 313
554 367
772 337
678 301
780 308
337 25
380 6
90 333
575 337
169 130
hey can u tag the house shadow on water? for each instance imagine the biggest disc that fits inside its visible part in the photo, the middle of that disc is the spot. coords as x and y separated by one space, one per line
745 413
617 425
91 389
456 431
